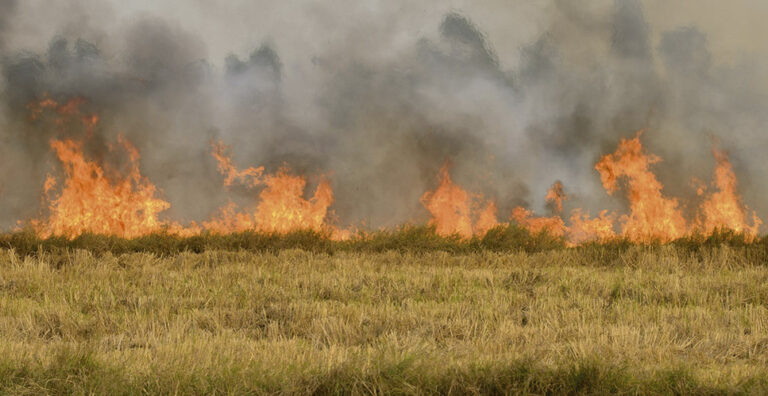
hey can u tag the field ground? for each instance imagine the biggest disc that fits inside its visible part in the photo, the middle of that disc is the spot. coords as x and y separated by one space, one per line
641 320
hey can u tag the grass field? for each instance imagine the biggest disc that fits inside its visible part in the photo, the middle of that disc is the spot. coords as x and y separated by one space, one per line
397 313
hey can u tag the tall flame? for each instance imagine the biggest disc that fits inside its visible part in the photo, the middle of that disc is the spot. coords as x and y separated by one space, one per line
652 216
451 209
555 197
723 209
486 219
92 202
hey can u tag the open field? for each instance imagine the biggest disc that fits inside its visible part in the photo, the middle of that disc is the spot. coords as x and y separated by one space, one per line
630 319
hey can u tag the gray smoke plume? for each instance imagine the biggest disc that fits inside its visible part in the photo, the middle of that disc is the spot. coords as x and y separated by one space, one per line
378 96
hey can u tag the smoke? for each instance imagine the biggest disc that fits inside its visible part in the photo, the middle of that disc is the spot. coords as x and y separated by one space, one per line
377 96
7 7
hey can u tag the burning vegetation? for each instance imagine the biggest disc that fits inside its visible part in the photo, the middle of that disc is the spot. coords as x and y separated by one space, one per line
651 217
114 134
282 207
100 198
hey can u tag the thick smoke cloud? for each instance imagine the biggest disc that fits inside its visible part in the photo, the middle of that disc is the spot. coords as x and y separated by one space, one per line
377 99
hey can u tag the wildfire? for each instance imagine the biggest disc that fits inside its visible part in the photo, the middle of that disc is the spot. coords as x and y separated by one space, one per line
91 201
66 112
282 207
451 209
555 197
584 229
486 219
95 198
652 216
250 177
723 209
553 225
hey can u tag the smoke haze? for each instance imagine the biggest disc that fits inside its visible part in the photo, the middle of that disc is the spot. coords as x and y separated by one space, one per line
377 95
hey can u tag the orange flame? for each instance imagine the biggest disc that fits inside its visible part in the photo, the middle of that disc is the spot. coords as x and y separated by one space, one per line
66 112
451 206
723 209
552 225
652 216
91 202
282 207
584 229
486 219
555 197
249 177
92 199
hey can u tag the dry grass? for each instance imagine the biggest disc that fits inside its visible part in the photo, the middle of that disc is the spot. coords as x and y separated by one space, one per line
654 320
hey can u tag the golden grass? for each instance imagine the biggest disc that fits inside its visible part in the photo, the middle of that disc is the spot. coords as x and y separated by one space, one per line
657 320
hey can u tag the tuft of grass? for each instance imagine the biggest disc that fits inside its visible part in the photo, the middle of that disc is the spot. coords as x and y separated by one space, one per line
75 372
514 238
740 248
407 238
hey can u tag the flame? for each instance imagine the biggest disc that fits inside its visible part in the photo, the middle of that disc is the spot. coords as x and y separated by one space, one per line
449 206
451 209
723 209
250 177
94 198
652 216
584 229
555 197
37 108
552 225
282 207
486 219
92 202
66 112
